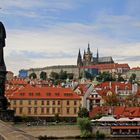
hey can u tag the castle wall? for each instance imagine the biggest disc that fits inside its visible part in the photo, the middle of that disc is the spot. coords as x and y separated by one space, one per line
69 68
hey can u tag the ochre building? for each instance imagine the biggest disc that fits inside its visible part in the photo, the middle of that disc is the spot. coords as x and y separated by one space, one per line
44 102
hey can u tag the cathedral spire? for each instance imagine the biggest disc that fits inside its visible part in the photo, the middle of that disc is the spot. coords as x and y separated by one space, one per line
97 54
88 49
79 59
84 55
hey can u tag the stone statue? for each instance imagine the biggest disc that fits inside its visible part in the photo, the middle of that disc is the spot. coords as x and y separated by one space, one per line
3 100
2 45
5 113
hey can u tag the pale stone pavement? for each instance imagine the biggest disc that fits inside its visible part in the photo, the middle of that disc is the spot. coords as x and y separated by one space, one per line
55 131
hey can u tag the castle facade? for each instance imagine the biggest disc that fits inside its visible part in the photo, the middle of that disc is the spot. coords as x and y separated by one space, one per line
88 58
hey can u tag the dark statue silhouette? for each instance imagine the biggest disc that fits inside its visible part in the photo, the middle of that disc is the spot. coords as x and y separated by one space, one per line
3 100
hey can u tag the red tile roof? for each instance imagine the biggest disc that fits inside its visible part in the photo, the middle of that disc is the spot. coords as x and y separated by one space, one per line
17 81
30 92
135 68
83 88
108 66
119 111
112 85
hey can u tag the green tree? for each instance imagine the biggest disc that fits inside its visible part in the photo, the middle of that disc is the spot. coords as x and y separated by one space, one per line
105 76
62 75
132 77
56 118
54 75
70 75
85 127
33 76
83 112
43 75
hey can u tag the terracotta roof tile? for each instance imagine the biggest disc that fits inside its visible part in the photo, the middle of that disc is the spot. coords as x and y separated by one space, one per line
29 92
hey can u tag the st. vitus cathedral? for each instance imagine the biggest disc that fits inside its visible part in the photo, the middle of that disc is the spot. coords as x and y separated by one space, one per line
88 58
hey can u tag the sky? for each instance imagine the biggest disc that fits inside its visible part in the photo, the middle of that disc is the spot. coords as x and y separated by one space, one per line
43 33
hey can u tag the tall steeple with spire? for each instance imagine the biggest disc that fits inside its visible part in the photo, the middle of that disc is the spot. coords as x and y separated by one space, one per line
97 56
79 59
88 49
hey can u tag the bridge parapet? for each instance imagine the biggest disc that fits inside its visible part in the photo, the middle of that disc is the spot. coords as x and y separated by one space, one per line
7 132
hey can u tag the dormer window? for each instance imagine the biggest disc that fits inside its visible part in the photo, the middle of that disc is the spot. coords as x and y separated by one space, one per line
48 94
22 94
56 94
37 94
68 94
30 94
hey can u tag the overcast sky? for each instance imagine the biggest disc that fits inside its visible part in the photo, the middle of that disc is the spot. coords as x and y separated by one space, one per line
50 32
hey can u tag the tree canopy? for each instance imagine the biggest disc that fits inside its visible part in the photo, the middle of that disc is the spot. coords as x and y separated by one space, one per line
43 75
83 112
33 76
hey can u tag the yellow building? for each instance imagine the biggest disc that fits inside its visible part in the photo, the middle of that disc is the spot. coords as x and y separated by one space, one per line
44 102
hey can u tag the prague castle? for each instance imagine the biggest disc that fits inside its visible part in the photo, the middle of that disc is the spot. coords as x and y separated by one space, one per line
88 58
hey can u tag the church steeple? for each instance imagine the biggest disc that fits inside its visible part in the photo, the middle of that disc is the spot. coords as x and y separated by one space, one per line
97 54
88 49
84 55
79 59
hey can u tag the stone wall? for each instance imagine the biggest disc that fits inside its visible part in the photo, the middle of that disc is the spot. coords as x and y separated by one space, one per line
102 129
7 132
69 68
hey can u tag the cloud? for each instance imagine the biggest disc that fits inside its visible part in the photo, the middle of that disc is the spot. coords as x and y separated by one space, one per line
60 45
44 32
25 4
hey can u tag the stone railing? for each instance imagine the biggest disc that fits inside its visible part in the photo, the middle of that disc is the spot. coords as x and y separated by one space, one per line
7 132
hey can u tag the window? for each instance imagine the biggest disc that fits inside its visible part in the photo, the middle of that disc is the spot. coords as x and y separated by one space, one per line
75 110
68 110
35 102
29 102
30 94
29 110
75 102
53 102
22 94
42 102
14 102
37 94
48 110
58 110
58 102
48 102
20 102
56 94
20 110
35 110
68 103
53 110
68 94
48 94
42 110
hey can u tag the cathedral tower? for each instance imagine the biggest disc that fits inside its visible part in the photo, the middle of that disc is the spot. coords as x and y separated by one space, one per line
79 59
87 56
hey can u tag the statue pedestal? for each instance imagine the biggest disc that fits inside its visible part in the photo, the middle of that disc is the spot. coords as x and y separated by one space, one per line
5 114
3 100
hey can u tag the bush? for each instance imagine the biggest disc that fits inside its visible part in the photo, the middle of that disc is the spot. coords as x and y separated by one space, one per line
85 127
